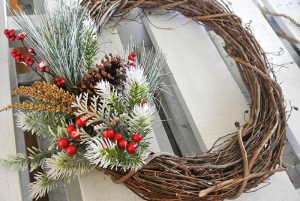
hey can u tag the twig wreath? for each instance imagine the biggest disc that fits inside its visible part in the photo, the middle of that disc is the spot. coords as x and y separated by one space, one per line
249 157
97 114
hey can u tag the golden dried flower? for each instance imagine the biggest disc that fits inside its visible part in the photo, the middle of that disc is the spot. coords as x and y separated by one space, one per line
46 92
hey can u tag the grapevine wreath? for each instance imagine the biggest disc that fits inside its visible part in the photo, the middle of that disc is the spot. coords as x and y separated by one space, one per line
98 116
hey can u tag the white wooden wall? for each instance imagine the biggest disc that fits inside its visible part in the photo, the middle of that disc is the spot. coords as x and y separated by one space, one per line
200 72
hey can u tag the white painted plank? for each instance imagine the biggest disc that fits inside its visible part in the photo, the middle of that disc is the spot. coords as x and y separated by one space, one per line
278 188
290 8
10 180
205 88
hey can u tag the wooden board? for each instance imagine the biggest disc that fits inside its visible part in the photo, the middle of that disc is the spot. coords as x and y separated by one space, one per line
290 8
204 86
10 183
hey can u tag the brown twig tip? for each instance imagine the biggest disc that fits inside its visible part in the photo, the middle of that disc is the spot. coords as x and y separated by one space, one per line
40 107
247 157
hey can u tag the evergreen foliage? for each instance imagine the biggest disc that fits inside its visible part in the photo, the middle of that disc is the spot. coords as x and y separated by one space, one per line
64 38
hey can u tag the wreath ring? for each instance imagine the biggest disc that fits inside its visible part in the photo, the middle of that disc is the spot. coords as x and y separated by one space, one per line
247 158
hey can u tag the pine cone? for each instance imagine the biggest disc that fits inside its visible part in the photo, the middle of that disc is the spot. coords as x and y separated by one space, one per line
112 68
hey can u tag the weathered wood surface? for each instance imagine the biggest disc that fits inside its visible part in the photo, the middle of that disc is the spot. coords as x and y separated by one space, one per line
205 88
9 180
290 8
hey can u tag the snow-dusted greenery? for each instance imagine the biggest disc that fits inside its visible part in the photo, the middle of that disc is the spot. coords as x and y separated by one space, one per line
61 166
153 62
42 185
64 38
39 122
67 42
35 159
127 113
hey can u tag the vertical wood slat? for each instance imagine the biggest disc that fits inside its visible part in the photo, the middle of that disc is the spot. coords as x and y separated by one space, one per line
10 183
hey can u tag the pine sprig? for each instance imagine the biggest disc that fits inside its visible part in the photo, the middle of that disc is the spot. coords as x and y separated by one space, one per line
106 154
153 62
42 185
61 165
91 50
16 162
141 118
37 157
136 87
38 122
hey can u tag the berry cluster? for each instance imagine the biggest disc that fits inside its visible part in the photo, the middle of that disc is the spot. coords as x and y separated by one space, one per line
132 58
16 54
30 59
122 143
11 35
64 143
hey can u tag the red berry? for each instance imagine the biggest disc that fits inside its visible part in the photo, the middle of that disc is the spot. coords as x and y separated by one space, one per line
60 81
122 144
31 51
133 64
71 150
11 33
118 137
63 143
18 58
109 134
29 60
80 122
6 31
20 36
133 54
12 38
71 128
104 135
130 58
137 137
42 69
131 148
75 134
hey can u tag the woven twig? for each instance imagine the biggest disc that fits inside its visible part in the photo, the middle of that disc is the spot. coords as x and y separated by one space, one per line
250 156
